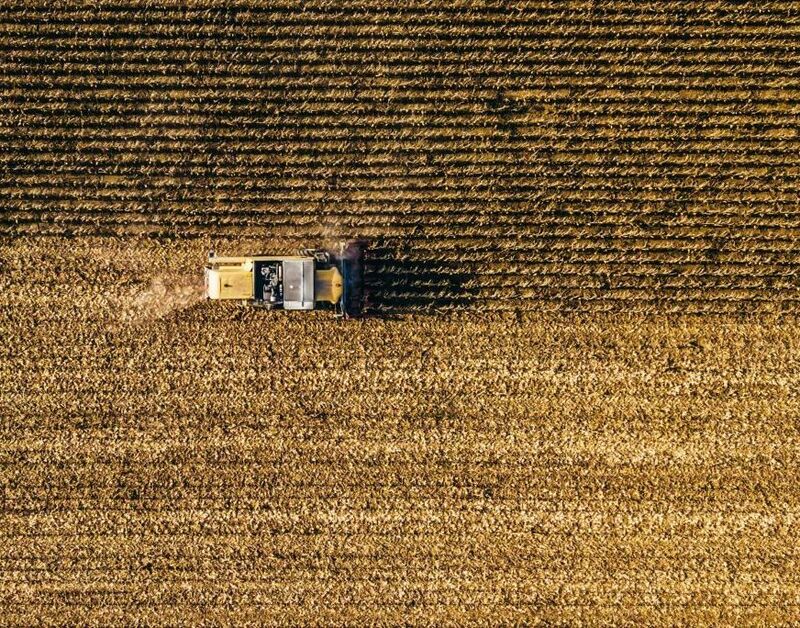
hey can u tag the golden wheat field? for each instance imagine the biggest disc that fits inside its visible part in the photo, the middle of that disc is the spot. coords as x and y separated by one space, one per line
573 398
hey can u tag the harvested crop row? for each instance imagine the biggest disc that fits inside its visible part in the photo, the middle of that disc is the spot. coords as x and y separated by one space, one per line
161 459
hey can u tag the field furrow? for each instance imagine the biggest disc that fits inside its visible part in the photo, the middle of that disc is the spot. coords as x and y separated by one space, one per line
572 399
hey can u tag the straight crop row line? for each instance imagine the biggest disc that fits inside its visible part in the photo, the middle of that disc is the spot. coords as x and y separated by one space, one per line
679 99
378 44
89 115
425 53
565 188
224 120
529 223
550 84
452 185
553 204
314 7
337 165
369 147
424 226
161 172
606 16
505 245
498 31
49 102
507 132
674 214
607 72
474 176
333 208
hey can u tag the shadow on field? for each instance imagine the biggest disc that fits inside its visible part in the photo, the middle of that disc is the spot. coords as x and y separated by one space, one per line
396 281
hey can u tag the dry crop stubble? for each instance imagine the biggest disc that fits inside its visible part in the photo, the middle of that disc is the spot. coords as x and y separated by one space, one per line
598 204
451 468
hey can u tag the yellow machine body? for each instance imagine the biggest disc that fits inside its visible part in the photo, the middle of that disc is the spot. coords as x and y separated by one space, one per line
301 283
230 282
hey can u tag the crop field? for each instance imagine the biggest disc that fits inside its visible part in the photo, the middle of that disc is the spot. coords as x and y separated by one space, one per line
574 396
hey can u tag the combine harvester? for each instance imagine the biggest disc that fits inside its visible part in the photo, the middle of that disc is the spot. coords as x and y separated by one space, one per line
313 279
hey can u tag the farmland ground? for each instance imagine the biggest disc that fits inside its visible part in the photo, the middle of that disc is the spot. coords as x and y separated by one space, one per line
166 459
574 397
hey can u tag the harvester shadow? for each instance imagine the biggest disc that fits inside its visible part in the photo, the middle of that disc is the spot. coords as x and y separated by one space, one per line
398 282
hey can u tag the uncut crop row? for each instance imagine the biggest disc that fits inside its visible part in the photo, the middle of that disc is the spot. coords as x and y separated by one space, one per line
622 156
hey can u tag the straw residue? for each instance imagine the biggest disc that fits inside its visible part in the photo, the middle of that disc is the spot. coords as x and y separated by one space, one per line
226 465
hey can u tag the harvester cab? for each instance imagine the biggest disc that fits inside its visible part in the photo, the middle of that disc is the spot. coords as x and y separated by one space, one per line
312 279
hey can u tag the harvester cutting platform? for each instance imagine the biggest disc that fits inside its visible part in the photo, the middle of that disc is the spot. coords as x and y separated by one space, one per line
313 279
